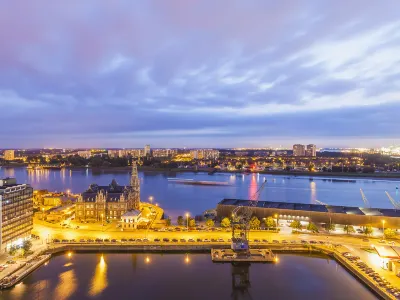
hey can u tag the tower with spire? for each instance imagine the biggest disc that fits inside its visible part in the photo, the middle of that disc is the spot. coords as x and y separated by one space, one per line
134 189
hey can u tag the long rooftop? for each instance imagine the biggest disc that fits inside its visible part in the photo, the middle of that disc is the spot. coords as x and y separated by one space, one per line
350 210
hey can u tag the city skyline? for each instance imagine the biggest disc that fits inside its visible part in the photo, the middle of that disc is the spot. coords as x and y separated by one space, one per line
199 74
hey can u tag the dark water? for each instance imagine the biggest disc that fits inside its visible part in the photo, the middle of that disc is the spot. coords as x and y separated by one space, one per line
178 199
179 276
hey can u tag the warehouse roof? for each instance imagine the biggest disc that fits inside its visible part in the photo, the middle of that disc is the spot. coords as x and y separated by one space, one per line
350 210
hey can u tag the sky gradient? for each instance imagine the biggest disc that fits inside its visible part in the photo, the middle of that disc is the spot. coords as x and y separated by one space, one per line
205 73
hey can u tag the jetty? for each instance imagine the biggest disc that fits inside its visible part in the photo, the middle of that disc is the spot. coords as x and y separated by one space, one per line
253 255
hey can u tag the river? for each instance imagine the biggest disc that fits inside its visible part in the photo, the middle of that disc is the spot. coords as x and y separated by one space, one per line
178 199
180 276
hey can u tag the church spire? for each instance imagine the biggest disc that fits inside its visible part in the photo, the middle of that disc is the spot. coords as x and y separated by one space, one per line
134 191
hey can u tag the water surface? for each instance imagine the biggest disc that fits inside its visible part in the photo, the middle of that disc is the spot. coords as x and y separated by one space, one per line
192 276
177 199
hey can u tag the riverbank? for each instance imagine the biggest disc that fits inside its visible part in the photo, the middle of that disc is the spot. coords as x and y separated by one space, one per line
147 169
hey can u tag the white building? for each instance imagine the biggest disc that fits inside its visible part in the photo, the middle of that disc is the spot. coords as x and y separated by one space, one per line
132 218
311 150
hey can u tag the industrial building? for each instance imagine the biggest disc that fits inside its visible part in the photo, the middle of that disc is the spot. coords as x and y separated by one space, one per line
16 212
344 215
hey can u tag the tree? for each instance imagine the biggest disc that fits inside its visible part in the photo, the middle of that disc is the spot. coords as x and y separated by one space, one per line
296 225
312 227
180 220
210 223
192 222
13 249
225 222
349 229
368 230
26 246
254 223
270 222
389 233
168 221
330 227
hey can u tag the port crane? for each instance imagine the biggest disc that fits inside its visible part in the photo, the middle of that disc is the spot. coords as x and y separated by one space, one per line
241 216
320 202
366 202
394 202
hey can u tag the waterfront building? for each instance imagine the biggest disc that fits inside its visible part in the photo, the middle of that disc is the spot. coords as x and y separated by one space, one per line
163 152
99 203
16 212
299 150
9 155
132 218
113 153
317 213
136 152
147 150
311 150
204 154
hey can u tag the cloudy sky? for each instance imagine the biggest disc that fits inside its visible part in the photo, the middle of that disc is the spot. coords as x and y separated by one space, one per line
204 73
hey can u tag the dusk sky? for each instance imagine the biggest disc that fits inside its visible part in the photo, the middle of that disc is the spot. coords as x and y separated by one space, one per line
175 73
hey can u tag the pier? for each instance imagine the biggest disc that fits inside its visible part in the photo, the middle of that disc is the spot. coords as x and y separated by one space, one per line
254 256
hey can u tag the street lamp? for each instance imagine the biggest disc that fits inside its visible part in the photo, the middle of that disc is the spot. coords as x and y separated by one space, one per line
102 220
277 221
151 199
187 221
383 228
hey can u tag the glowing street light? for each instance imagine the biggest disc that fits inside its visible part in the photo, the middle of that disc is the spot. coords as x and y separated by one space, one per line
383 228
151 199
187 221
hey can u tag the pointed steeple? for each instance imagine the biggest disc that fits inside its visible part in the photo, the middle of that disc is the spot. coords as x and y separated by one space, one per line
134 189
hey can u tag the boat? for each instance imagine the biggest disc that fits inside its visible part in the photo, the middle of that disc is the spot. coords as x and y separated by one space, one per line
193 182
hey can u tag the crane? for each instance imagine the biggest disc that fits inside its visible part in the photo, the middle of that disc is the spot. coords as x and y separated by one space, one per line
320 202
366 202
394 202
241 216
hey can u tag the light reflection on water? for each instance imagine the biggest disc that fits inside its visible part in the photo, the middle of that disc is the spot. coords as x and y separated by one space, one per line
66 286
99 280
177 199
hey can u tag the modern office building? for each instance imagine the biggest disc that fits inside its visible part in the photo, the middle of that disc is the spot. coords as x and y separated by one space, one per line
16 212
299 150
311 150
100 203
9 154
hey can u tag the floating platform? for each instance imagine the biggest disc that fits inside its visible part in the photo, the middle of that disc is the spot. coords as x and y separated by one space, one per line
255 256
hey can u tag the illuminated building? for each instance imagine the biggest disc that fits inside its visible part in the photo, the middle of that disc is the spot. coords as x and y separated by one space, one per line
147 150
204 154
163 152
16 211
9 154
299 150
311 150
85 154
109 202
113 153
